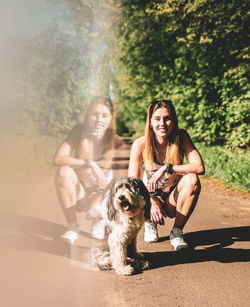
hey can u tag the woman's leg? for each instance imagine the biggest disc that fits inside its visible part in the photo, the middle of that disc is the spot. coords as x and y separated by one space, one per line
183 199
95 206
95 213
180 204
69 191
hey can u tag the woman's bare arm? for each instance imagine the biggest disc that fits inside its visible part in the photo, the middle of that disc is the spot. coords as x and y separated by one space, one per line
135 162
195 164
64 151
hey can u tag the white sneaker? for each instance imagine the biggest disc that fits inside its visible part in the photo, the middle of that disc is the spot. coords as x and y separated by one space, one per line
98 230
150 232
71 234
177 239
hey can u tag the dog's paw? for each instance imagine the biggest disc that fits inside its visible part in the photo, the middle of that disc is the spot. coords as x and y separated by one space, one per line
145 265
140 265
126 270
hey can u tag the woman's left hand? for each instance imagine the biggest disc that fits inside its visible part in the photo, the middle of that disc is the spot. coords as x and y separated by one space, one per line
152 183
157 213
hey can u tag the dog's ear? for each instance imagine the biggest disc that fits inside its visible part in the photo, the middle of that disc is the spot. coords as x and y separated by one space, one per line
110 202
144 192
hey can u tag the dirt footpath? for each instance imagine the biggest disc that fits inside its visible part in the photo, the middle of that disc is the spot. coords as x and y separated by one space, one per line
37 269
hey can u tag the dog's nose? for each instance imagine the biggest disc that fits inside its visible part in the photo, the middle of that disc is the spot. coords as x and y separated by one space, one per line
121 197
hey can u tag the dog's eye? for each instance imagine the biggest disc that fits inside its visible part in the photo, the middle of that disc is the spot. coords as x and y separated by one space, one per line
127 185
118 188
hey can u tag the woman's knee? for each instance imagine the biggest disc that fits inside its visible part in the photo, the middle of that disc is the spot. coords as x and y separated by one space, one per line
64 174
192 181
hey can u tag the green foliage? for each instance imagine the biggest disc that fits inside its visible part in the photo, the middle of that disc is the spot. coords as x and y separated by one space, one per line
227 165
95 21
193 52
55 73
44 85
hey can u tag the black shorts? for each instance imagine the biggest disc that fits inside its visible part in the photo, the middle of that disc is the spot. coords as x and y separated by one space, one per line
163 196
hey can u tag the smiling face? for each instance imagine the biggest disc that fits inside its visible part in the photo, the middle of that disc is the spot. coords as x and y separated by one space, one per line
99 120
162 122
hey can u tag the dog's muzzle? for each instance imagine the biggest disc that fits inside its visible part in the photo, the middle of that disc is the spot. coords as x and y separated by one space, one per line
124 203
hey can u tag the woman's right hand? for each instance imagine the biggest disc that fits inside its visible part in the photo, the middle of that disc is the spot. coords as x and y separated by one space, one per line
152 183
157 213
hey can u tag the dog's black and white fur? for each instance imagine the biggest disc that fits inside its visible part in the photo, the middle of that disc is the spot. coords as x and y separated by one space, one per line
125 206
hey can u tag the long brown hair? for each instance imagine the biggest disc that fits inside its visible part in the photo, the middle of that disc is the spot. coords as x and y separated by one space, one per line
106 151
174 155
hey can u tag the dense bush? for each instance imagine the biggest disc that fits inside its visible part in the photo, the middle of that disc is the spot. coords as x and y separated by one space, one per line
194 52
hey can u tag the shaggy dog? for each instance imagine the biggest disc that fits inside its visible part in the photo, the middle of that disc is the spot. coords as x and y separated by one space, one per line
125 206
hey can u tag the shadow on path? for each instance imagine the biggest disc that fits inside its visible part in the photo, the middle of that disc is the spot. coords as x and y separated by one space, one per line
215 245
29 233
